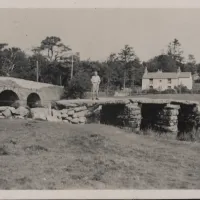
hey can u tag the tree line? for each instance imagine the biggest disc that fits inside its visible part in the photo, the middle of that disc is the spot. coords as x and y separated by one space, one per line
122 69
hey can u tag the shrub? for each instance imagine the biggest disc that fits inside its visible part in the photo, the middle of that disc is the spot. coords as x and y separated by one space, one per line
169 91
182 89
111 93
78 86
193 136
152 91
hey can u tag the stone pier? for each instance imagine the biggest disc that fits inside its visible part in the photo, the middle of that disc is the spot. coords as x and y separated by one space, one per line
167 119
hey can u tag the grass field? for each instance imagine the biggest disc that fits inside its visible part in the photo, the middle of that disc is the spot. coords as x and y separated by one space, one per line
189 97
44 155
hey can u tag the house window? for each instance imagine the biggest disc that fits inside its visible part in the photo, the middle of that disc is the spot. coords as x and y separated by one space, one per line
150 87
151 81
169 87
169 80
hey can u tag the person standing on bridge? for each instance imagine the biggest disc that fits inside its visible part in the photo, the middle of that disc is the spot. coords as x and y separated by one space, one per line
95 85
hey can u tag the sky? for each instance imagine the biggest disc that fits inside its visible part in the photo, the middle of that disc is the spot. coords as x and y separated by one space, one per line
96 33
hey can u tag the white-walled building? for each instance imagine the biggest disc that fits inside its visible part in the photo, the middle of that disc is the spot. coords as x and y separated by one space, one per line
166 80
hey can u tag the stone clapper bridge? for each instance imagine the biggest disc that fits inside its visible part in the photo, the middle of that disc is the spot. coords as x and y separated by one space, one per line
164 115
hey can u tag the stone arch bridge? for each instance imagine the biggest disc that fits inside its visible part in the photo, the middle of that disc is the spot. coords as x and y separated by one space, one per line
26 92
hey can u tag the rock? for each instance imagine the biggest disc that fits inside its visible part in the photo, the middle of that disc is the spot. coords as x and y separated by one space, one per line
64 116
168 117
132 107
133 124
169 112
12 109
170 128
70 113
22 111
39 113
75 120
65 104
97 110
78 109
57 114
80 114
197 108
82 119
88 114
64 111
3 108
171 106
53 119
7 113
66 121
2 117
134 112
19 117
69 118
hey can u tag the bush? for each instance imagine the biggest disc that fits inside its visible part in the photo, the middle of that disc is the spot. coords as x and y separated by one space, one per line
169 91
196 91
78 86
182 89
152 91
111 93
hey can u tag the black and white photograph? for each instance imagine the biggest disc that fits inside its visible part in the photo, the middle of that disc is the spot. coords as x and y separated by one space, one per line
99 98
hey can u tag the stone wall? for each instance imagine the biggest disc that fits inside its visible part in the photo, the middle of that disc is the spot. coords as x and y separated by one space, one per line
11 112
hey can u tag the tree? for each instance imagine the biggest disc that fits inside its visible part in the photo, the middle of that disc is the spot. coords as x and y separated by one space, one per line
111 61
56 50
78 86
13 61
175 51
54 61
162 62
136 73
190 65
126 55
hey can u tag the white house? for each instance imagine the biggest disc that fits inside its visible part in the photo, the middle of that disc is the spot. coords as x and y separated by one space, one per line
166 80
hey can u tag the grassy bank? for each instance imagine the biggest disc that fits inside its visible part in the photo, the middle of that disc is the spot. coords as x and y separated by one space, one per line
43 155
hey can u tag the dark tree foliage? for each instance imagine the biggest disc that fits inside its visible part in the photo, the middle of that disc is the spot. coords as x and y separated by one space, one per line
162 62
119 70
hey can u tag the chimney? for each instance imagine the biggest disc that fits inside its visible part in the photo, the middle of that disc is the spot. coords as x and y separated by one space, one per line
145 70
159 71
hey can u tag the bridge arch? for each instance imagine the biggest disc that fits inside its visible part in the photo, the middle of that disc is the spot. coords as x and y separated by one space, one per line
33 100
8 98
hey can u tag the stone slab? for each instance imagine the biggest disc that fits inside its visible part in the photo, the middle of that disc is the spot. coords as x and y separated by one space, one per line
105 101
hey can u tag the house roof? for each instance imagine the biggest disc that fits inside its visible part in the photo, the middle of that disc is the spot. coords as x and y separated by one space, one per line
165 75
184 75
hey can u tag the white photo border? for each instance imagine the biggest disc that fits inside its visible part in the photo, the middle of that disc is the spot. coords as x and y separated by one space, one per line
99 194
99 4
